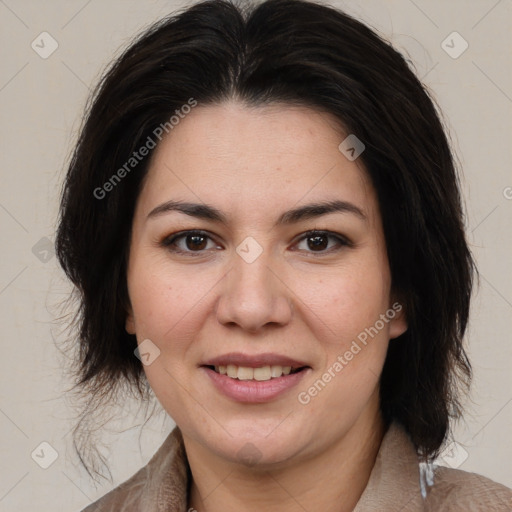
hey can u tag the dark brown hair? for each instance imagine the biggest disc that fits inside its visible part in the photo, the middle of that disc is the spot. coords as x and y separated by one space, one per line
295 52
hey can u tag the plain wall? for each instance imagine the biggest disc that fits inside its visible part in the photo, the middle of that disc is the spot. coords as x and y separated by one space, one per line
41 101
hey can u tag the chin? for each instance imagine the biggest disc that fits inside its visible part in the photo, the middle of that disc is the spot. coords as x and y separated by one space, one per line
259 443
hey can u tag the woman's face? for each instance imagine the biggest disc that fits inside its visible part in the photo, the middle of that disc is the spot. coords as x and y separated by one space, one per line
251 293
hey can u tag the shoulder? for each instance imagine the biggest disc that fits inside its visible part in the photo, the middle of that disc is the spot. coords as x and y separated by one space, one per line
455 489
162 481
125 496
397 482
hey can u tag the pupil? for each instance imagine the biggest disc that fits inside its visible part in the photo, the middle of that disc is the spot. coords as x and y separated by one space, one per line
195 244
318 239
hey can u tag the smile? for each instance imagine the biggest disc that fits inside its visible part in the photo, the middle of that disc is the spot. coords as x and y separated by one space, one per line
262 373
254 385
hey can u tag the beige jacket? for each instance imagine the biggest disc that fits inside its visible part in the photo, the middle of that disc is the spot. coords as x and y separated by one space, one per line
394 484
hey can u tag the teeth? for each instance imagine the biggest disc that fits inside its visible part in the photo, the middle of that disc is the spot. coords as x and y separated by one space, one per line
262 373
232 371
276 371
246 373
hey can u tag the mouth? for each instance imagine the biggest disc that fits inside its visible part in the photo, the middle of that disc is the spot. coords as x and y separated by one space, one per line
255 378
262 373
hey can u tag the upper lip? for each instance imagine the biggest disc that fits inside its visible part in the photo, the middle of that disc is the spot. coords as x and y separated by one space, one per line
254 361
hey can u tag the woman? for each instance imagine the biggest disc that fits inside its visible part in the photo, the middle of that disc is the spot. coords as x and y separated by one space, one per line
263 220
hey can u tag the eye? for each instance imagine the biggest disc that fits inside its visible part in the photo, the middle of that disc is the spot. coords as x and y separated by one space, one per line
196 241
188 242
318 241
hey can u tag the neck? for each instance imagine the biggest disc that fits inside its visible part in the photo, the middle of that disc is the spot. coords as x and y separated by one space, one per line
332 480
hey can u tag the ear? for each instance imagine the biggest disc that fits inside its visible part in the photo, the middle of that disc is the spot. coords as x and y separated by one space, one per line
130 322
398 322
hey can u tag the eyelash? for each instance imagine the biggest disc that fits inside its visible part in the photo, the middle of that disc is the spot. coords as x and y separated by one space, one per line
170 242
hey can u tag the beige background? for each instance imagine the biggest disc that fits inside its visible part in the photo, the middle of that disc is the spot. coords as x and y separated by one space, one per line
41 102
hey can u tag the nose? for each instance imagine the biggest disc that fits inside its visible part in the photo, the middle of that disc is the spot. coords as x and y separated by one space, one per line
254 295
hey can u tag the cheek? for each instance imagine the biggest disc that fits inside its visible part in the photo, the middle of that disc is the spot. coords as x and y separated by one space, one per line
345 309
354 349
162 301
346 301
165 309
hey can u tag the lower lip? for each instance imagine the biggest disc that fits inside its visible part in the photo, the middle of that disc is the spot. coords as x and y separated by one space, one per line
254 391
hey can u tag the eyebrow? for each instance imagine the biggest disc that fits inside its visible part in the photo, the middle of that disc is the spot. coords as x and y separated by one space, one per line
309 211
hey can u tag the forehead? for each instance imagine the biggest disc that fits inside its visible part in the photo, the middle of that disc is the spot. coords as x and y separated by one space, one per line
236 156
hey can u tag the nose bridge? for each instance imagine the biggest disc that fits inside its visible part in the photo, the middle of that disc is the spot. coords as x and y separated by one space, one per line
253 295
